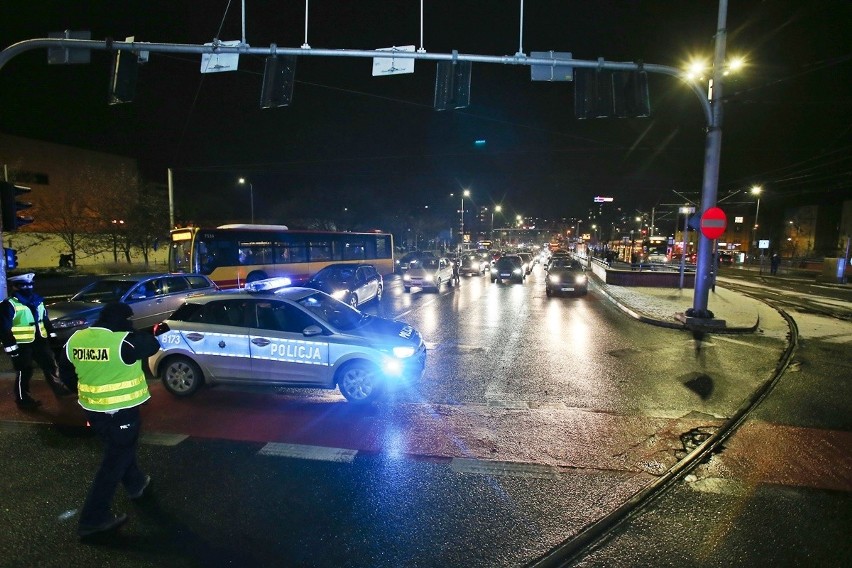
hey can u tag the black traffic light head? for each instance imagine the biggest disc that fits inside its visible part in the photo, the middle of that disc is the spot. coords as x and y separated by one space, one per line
10 206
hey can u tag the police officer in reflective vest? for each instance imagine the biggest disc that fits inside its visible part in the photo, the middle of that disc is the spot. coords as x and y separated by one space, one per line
24 331
104 359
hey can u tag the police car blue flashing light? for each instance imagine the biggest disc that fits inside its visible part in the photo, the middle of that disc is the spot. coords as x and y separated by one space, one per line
268 284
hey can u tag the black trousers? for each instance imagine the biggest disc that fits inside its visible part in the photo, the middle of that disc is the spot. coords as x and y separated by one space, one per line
40 352
120 434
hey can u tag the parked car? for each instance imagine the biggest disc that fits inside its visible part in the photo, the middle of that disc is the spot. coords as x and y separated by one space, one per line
293 337
153 297
508 267
566 276
402 263
473 263
354 284
428 274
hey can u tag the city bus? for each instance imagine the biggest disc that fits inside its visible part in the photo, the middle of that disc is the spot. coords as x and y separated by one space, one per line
232 255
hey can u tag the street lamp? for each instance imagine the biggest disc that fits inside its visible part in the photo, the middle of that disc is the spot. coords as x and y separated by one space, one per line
465 193
755 190
242 181
496 209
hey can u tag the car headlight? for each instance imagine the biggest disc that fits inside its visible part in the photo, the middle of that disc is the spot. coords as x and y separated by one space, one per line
67 323
580 279
554 278
516 271
494 269
403 351
429 278
339 294
406 276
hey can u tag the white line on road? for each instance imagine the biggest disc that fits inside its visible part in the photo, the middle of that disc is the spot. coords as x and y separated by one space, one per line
300 451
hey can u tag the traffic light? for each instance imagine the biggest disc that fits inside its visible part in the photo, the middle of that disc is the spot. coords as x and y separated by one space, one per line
11 258
10 206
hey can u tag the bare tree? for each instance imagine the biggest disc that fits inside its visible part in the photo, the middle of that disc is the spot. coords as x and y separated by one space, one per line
148 219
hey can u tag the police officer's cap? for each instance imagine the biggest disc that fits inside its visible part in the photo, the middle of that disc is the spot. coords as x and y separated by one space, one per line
22 279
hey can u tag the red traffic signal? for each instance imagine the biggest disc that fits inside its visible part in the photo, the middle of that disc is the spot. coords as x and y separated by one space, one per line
9 206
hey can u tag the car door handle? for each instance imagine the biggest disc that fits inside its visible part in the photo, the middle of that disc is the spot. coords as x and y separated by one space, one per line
261 341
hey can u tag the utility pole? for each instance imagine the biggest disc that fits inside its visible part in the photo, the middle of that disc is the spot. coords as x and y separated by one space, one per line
709 189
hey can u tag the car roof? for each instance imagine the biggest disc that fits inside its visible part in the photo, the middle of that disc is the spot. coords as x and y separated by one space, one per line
139 277
294 293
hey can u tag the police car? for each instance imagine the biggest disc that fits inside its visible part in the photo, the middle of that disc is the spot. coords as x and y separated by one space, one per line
294 337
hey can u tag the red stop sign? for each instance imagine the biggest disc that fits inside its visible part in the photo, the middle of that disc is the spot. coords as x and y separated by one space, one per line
713 223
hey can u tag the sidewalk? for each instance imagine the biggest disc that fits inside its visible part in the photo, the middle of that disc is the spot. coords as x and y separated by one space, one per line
667 306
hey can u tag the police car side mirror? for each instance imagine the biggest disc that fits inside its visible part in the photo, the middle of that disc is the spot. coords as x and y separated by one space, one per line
312 330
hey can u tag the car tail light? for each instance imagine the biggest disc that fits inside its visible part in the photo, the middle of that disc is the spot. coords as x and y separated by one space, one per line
160 328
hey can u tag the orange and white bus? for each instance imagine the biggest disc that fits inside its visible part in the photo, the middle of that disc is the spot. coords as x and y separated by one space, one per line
232 255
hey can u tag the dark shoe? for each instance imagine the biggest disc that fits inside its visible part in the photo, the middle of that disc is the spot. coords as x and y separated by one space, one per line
28 404
90 530
141 493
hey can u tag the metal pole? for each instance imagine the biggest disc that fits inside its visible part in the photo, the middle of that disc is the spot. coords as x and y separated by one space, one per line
683 248
251 200
712 154
171 199
754 241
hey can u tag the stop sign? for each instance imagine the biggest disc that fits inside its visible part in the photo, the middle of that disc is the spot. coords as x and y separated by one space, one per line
713 223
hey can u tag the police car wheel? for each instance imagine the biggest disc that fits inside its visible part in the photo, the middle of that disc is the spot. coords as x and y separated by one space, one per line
359 382
353 301
181 376
379 293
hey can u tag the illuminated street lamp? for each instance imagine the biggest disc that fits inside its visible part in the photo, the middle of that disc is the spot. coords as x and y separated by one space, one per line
465 193
242 181
497 209
755 190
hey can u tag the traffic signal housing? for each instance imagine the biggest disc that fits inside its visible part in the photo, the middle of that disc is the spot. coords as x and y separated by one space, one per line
11 258
10 206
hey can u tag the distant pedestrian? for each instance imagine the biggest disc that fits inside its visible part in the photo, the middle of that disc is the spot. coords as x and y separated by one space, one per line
25 331
774 263
456 271
104 359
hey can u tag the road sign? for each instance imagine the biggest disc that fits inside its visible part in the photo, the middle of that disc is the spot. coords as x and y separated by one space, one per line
713 223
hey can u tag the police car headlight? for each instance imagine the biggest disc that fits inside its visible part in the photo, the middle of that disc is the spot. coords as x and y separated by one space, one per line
403 351
338 294
580 279
554 278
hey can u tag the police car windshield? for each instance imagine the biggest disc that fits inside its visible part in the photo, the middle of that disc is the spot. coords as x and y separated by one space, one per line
104 291
331 311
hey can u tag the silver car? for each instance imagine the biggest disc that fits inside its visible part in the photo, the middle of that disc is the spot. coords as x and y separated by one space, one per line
428 273
295 337
153 298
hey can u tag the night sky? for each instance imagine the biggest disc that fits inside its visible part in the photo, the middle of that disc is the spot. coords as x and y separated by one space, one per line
376 145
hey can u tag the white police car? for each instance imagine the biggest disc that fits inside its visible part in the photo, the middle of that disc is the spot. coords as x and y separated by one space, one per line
294 337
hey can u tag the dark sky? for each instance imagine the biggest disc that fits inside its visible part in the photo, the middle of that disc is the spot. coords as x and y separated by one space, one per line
350 139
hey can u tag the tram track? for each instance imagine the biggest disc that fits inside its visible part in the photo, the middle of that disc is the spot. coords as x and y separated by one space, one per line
595 535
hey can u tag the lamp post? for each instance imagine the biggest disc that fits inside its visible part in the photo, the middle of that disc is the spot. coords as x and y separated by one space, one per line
242 181
755 190
496 209
465 193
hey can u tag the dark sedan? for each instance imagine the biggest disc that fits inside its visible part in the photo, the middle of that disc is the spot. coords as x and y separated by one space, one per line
509 267
153 298
566 276
354 284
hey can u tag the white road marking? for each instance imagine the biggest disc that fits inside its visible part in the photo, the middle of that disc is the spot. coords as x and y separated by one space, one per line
304 452
504 469
160 439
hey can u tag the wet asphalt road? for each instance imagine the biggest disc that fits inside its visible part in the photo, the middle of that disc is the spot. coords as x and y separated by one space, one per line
535 417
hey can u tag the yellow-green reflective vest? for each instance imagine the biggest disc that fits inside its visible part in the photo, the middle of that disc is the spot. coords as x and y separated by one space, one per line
105 382
23 324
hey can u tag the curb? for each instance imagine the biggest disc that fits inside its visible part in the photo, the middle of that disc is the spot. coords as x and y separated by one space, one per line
681 324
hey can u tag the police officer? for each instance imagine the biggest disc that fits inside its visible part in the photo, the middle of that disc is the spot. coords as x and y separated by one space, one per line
104 360
24 331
